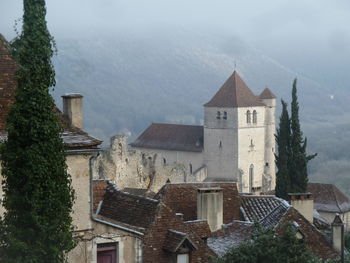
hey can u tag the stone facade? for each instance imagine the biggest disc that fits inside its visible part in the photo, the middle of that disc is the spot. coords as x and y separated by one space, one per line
147 169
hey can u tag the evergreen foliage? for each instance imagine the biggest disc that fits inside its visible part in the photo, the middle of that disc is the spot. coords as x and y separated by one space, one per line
292 159
282 159
264 246
299 158
37 226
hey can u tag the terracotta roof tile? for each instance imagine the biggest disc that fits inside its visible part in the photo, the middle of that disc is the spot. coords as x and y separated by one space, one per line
127 208
234 93
200 227
171 137
99 189
328 198
175 239
267 94
182 198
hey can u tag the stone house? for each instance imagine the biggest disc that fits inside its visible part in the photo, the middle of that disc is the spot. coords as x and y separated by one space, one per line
236 141
329 201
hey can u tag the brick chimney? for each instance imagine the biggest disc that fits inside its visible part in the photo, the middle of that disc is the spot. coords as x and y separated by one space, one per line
210 206
73 109
304 203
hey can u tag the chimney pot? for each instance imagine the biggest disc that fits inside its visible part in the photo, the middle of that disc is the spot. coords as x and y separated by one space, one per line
73 109
304 203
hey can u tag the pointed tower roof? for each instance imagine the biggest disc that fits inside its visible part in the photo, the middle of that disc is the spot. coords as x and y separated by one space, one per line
234 93
267 94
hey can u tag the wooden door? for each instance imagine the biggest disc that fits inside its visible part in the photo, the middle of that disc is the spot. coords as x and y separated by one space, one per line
107 253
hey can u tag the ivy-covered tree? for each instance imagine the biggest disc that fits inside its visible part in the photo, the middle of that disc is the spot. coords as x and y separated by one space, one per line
299 158
265 246
282 158
37 226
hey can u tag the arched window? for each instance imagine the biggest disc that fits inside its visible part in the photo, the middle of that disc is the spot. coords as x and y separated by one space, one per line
164 161
251 177
225 115
255 117
249 117
218 115
191 168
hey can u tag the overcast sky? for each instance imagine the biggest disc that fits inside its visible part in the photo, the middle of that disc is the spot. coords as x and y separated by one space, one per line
293 31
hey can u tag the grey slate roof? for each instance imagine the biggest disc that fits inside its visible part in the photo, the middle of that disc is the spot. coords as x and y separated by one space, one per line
174 137
234 93
231 235
328 198
273 218
256 207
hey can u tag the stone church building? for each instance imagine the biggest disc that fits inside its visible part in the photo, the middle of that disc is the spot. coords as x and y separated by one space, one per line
236 142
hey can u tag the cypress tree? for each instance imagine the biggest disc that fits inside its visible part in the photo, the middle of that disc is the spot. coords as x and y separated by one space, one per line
282 159
299 158
37 226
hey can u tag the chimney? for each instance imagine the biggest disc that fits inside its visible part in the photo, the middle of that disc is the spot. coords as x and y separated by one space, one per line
73 109
210 206
304 203
338 234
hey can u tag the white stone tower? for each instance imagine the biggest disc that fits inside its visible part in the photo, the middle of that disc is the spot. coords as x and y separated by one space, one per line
235 130
269 99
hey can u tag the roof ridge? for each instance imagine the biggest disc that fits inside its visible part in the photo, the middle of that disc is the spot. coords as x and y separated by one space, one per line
336 198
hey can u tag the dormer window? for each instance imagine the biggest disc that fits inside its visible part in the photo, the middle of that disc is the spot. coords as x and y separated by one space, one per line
225 115
249 117
255 117
218 115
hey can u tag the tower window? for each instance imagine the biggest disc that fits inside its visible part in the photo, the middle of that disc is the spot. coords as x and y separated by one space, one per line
255 117
191 170
220 144
225 115
164 161
249 117
218 115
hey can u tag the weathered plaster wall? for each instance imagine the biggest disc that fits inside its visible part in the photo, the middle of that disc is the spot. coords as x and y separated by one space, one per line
129 245
146 168
78 168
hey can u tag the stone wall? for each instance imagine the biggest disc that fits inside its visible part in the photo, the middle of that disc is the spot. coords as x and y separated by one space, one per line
145 168
129 245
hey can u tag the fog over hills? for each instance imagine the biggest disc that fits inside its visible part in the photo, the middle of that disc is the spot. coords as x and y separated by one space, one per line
130 80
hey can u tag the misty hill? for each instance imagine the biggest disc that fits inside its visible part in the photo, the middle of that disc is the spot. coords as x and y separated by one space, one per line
129 81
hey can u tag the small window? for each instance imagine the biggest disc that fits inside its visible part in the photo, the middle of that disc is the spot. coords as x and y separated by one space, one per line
191 169
218 115
249 117
225 115
220 144
164 161
255 117
267 164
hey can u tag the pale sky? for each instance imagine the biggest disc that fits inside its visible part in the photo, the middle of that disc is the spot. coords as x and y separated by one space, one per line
295 32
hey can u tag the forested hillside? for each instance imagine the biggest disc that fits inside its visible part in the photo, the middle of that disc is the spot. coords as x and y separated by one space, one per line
129 81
